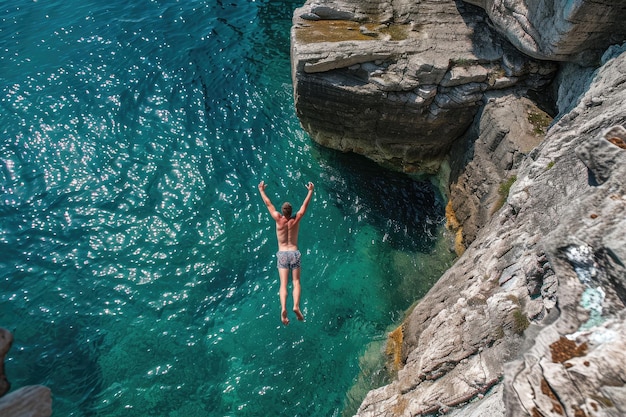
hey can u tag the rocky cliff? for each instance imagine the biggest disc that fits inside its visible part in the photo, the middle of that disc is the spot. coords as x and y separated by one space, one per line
530 320
533 313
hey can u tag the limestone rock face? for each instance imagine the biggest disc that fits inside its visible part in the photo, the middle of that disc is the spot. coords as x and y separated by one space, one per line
531 319
579 362
506 129
400 81
559 30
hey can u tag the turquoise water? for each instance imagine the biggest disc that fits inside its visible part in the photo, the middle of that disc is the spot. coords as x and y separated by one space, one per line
137 267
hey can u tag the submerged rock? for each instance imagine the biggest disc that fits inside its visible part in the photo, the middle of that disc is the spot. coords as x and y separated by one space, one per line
29 401
6 339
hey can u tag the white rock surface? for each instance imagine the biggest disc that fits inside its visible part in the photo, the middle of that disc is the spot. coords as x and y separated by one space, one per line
559 235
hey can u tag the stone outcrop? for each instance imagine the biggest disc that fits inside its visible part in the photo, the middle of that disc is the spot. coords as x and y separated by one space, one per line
506 129
401 81
29 401
530 320
559 30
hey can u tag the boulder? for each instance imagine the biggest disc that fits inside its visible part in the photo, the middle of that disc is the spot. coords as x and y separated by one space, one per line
29 401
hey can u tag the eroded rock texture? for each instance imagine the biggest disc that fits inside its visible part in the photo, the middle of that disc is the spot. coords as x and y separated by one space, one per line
505 130
559 30
530 321
400 81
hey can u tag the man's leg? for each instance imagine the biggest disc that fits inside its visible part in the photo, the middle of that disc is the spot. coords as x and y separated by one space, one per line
283 273
295 278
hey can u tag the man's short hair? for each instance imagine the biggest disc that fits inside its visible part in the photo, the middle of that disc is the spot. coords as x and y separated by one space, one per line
286 209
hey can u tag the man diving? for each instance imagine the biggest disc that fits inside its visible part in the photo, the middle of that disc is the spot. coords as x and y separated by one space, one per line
288 255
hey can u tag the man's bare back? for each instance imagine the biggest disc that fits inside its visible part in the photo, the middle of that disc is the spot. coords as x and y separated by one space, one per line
287 233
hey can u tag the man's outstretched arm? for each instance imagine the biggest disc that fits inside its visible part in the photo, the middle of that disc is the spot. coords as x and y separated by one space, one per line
307 200
267 201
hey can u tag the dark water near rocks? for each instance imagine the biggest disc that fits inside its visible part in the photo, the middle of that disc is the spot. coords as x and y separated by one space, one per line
136 258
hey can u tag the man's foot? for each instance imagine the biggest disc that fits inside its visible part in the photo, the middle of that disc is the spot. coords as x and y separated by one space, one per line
283 317
298 314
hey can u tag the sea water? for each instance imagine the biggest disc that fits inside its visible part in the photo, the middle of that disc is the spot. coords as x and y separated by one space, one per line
137 268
